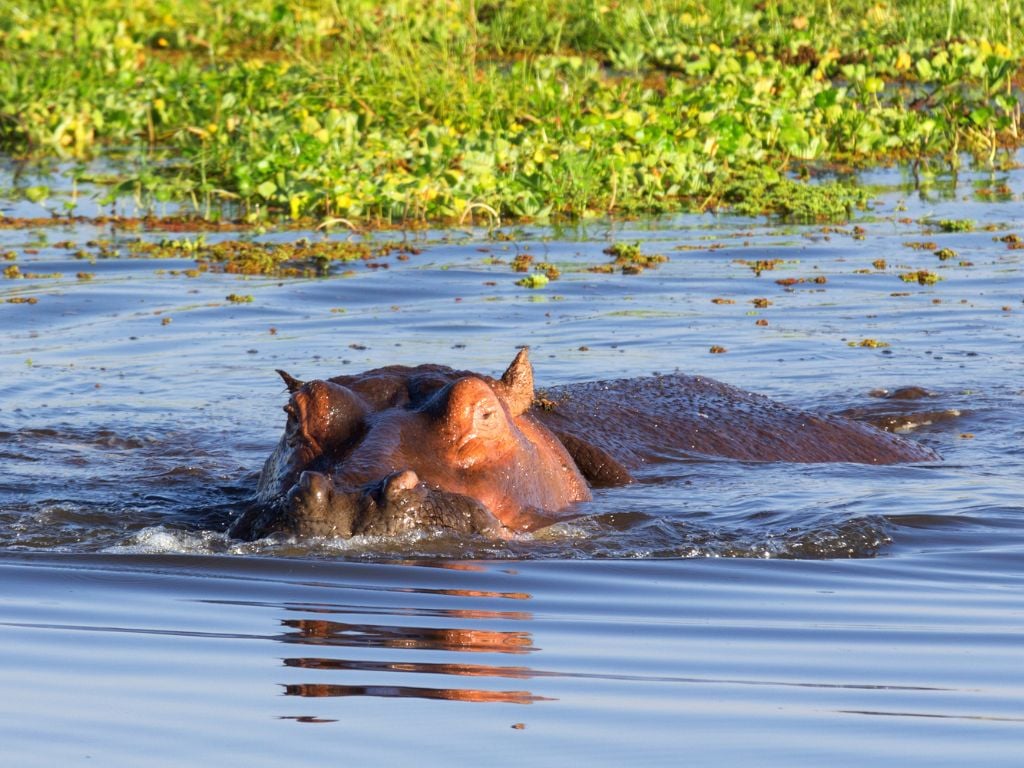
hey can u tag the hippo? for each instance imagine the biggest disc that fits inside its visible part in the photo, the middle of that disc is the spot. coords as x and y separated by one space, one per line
400 448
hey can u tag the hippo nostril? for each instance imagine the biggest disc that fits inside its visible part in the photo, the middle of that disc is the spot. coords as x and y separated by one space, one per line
400 481
315 486
315 506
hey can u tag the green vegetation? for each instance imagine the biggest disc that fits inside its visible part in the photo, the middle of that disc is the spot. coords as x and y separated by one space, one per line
403 111
868 343
629 259
957 225
299 258
535 280
921 276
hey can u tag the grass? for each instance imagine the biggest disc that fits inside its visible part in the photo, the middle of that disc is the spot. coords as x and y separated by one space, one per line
446 110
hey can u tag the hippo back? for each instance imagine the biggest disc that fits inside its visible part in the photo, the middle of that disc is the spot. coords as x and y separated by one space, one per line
657 417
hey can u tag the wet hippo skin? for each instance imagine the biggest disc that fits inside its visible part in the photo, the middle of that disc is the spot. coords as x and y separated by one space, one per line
404 448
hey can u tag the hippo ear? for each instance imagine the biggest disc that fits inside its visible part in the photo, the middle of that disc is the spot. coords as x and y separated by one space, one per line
290 381
516 385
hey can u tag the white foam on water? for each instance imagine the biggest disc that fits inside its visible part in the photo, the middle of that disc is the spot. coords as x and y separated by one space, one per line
158 540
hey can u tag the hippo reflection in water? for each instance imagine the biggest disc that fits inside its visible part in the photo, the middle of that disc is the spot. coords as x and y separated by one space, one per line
403 448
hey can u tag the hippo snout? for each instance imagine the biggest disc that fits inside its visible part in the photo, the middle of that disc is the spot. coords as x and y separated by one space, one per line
313 490
401 502
398 503
315 507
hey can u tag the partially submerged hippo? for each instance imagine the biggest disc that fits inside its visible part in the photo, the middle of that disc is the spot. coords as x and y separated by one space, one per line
402 448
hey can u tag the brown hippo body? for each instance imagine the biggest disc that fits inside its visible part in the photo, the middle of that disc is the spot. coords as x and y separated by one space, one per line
658 417
402 448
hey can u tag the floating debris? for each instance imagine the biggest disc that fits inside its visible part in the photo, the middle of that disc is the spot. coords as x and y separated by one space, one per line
869 343
921 276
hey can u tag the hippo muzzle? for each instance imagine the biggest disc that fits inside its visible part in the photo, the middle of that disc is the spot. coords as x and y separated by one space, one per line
399 503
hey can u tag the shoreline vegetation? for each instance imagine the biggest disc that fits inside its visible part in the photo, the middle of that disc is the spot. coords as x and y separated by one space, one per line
365 114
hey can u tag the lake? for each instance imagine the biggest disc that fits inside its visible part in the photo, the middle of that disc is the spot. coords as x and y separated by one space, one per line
715 612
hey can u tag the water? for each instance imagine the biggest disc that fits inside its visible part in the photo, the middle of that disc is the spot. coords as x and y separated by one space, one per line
715 612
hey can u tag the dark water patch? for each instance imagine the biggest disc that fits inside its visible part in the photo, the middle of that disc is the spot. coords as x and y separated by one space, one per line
72 439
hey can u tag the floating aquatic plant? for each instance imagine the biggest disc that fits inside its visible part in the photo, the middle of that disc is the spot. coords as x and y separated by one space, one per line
921 276
402 111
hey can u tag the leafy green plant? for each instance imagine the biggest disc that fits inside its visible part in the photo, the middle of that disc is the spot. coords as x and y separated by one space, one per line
403 111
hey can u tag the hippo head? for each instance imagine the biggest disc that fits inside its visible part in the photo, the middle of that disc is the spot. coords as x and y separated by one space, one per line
397 449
